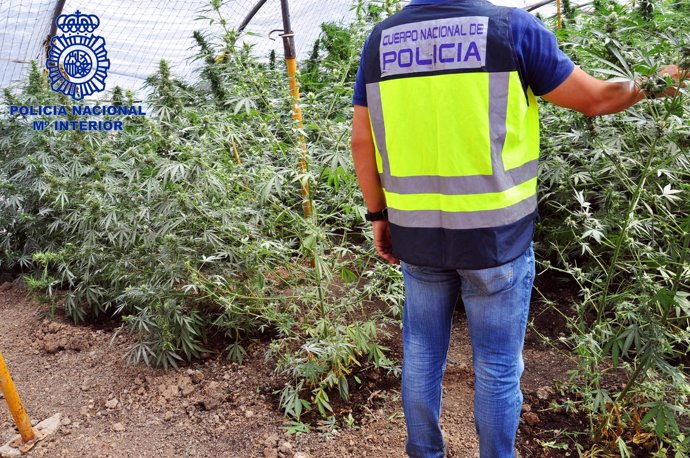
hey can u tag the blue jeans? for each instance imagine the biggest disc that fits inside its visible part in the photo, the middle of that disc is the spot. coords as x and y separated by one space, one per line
496 303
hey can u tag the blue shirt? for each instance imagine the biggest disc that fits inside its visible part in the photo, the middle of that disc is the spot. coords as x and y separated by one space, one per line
542 64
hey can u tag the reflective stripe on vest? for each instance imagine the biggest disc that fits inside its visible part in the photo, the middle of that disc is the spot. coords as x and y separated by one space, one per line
455 150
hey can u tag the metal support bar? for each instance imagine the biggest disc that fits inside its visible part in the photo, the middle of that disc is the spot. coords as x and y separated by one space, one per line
248 18
558 13
21 419
59 6
288 34
546 2
291 62
538 5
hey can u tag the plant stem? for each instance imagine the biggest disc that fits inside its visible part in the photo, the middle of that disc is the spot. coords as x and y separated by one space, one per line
624 231
664 320
631 209
647 356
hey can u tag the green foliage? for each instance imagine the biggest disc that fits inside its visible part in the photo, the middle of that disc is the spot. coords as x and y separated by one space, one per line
189 225
614 200
646 9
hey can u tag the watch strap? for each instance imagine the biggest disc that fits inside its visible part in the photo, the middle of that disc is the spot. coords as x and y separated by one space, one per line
376 216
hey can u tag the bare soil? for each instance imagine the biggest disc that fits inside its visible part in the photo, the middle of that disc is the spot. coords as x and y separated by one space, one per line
214 408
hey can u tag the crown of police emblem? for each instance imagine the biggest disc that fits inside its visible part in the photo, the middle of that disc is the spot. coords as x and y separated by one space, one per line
78 61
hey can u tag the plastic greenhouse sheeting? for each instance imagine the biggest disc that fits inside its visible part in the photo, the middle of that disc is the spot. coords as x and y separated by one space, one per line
138 33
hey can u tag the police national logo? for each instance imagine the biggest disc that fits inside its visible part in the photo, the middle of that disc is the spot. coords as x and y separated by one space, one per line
440 44
78 61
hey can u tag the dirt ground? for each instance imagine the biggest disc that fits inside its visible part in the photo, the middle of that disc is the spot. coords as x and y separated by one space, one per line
214 408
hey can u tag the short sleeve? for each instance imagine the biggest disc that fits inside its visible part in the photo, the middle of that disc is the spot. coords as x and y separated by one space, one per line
360 94
542 64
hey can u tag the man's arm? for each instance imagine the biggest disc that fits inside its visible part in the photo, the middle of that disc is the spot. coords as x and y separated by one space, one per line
594 97
363 155
365 160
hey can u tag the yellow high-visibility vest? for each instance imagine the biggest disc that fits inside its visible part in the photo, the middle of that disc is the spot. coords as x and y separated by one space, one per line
456 131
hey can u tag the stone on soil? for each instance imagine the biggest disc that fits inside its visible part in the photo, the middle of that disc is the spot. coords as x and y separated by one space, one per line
270 440
531 418
78 343
47 428
52 344
195 376
544 392
285 449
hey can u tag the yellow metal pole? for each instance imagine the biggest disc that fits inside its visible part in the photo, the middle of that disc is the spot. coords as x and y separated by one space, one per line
237 153
21 419
297 116
558 13
234 147
291 62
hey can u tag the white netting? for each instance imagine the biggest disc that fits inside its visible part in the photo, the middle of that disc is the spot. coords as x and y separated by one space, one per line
138 33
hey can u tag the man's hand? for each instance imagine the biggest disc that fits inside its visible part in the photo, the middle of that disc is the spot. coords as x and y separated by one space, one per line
382 241
676 73
654 87
593 97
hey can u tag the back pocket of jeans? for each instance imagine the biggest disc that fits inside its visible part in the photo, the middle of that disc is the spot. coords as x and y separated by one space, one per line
492 280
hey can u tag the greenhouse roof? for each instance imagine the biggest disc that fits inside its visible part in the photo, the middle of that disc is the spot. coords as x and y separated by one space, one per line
139 33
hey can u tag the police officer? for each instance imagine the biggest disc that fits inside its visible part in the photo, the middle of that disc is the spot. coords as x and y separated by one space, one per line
445 144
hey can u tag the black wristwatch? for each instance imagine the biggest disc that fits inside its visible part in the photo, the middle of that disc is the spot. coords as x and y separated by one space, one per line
376 216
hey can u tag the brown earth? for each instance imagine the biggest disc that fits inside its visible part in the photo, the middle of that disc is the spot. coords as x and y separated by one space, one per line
214 408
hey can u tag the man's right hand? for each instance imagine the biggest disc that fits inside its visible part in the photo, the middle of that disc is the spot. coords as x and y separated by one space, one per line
677 74
593 97
383 242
